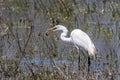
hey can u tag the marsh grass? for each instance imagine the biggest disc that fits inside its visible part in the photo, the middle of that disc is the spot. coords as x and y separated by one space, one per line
27 54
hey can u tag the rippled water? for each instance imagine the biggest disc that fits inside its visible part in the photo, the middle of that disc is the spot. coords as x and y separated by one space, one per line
99 19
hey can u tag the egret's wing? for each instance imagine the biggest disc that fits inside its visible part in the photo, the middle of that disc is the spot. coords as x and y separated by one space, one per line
80 39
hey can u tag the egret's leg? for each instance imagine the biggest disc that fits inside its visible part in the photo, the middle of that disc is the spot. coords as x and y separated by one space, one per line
89 63
79 61
78 58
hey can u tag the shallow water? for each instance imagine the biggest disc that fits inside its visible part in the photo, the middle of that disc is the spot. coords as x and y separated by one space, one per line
99 19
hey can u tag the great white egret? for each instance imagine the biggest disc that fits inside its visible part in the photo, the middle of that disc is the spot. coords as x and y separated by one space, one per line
78 38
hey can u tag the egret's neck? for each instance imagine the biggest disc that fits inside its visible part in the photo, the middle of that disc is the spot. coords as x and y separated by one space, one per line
64 36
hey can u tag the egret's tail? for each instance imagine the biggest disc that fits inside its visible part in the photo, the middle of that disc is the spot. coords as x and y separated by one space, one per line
92 52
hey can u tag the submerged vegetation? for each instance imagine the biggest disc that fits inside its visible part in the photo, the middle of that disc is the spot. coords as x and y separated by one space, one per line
27 54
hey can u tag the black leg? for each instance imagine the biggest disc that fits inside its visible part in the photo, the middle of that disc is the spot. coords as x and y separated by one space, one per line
79 62
78 58
89 63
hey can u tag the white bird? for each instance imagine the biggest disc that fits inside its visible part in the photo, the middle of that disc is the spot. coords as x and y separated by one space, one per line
78 38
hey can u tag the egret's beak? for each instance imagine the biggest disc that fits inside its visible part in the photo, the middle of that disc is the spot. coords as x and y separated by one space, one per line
49 31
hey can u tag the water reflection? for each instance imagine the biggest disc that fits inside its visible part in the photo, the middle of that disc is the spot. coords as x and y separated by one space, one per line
48 62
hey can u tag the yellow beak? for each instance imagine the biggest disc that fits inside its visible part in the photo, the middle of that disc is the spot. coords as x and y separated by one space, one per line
49 31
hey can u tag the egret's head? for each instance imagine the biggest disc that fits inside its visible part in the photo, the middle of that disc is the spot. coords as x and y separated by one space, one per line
55 28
